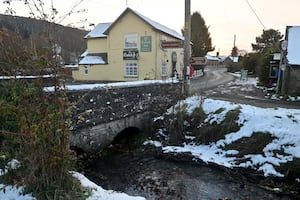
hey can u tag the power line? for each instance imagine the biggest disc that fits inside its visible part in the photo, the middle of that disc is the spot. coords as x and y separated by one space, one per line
71 10
255 14
140 4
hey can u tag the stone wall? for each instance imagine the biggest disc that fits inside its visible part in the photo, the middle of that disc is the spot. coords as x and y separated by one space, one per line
99 115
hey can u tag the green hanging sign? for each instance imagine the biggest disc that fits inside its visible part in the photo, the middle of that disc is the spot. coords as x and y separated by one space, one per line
146 44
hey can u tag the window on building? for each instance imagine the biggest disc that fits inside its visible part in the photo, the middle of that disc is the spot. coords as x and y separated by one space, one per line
131 69
130 41
86 70
164 70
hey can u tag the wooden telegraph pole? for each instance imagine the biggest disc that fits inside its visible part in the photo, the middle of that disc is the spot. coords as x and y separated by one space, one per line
187 42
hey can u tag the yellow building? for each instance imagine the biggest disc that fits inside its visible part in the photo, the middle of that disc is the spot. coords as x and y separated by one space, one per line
131 48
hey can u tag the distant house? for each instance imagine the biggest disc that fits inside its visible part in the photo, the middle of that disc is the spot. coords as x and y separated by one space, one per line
212 60
133 47
229 60
290 67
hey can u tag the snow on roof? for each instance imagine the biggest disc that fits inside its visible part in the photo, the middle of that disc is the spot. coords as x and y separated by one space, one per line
98 31
222 58
235 59
209 57
152 23
71 66
92 60
85 53
293 45
159 26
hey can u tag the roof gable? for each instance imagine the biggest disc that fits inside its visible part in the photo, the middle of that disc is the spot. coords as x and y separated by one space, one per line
98 31
157 26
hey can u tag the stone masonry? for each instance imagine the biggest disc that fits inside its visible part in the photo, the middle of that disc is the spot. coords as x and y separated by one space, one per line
98 115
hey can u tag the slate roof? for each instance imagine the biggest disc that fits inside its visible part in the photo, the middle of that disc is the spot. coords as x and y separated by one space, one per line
94 59
98 31
102 29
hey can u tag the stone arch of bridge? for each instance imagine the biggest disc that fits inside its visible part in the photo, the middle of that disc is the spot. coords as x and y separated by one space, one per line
127 137
98 137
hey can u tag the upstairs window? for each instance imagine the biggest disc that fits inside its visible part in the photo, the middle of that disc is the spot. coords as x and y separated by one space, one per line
130 41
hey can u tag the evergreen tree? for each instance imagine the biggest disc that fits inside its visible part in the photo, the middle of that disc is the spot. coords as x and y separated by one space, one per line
200 36
269 39
234 51
266 45
251 62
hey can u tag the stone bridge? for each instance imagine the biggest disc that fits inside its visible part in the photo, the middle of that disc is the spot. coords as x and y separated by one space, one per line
100 114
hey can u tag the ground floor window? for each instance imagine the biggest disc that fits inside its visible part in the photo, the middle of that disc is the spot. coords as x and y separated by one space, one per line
131 69
86 70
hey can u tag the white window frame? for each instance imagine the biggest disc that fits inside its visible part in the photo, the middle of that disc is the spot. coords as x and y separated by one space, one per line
85 70
164 69
131 69
131 41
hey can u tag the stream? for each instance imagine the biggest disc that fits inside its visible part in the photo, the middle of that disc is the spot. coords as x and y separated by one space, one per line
137 171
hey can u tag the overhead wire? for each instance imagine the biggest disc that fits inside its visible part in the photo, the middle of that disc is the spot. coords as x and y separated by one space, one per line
258 18
139 4
71 10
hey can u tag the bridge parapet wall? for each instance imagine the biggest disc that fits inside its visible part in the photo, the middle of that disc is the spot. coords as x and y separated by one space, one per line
103 105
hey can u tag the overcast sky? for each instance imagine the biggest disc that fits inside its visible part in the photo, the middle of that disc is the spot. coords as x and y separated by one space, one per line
225 18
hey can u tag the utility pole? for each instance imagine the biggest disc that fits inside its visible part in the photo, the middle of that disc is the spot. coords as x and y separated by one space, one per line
234 40
187 43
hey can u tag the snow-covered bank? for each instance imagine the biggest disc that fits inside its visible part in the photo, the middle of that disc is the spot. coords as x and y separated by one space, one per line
281 124
98 192
8 192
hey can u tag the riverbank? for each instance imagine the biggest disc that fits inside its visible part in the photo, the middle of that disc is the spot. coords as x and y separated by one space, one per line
262 144
146 171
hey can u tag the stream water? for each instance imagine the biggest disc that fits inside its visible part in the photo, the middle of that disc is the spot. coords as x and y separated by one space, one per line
138 172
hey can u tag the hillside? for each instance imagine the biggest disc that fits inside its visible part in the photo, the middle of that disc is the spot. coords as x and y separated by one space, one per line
39 34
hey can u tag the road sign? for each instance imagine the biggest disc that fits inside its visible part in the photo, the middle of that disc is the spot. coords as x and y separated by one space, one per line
171 44
198 61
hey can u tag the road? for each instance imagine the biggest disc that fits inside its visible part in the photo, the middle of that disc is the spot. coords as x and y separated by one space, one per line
218 84
212 78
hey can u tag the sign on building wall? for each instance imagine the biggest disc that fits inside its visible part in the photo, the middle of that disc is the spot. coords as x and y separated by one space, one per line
146 44
130 54
171 44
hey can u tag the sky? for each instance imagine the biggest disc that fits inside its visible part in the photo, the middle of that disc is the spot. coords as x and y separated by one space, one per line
225 18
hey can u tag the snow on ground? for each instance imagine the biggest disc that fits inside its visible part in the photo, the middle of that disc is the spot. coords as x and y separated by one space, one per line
99 193
113 85
8 192
280 123
283 124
